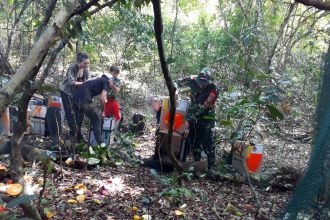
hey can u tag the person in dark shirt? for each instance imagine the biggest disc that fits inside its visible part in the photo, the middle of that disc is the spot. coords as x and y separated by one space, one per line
201 115
76 74
83 102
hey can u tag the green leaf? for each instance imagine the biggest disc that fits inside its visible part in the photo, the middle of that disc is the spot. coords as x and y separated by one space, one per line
104 157
93 161
87 14
84 154
36 24
140 3
119 162
263 77
170 60
70 46
256 97
274 113
247 40
203 196
244 101
251 75
19 200
226 122
91 151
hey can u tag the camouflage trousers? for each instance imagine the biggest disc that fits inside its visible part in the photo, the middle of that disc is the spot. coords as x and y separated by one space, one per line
202 137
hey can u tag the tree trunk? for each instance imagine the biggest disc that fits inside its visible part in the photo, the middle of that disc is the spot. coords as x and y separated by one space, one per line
316 180
158 26
27 71
16 159
48 14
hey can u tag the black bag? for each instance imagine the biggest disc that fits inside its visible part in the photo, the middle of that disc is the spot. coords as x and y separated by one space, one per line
137 124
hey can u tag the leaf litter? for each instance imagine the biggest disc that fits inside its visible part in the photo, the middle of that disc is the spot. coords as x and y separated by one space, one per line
128 191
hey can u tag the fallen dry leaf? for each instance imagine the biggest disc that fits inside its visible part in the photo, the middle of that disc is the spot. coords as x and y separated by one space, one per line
80 192
97 202
68 161
134 209
80 198
248 206
14 189
72 201
79 186
179 213
40 181
50 214
136 217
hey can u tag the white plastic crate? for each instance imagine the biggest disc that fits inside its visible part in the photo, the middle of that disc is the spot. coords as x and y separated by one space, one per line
38 111
107 135
37 126
108 124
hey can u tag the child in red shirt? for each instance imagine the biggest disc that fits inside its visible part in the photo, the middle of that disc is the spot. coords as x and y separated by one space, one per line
111 107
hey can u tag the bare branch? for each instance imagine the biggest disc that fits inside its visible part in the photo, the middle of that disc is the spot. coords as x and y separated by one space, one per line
17 19
48 14
279 36
84 8
5 67
107 4
29 68
316 3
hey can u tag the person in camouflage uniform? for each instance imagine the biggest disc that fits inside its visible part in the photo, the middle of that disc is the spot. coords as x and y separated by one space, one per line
201 115
111 108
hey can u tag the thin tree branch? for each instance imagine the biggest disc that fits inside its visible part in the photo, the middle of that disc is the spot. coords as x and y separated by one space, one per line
84 8
316 3
16 171
29 68
5 66
17 19
279 36
174 26
107 4
48 14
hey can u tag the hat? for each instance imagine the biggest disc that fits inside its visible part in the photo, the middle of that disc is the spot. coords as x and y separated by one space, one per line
203 77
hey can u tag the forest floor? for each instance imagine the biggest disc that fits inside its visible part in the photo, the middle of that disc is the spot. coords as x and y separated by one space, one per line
125 189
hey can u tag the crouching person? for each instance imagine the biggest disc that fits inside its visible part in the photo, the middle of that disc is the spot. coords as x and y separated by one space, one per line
83 103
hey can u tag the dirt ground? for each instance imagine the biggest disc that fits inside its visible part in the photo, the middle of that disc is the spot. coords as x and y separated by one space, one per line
125 190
